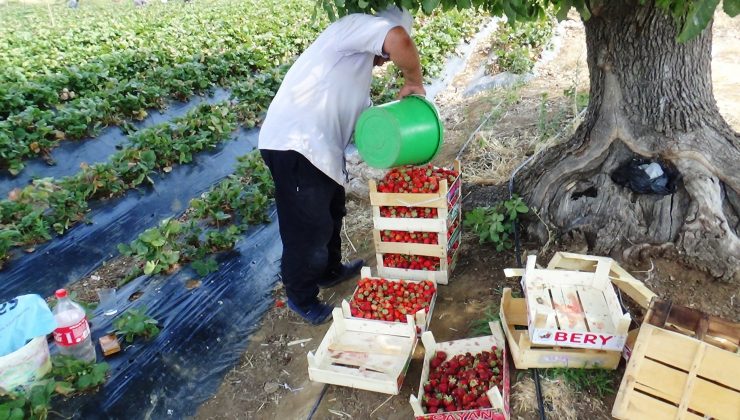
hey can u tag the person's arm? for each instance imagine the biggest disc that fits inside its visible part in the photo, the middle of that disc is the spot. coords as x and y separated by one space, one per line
402 51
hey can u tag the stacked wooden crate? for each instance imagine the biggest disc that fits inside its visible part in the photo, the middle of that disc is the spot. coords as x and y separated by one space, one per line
447 225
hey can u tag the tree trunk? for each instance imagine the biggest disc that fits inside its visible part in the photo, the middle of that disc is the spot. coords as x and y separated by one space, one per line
649 97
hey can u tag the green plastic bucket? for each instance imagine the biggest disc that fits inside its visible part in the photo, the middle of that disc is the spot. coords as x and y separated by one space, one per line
405 132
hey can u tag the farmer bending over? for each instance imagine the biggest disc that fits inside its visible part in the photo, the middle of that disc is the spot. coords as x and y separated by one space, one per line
307 128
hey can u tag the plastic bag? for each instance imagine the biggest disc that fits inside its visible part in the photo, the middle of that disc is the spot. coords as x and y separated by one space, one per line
21 320
644 176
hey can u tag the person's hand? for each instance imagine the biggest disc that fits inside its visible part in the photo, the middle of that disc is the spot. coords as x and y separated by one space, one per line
411 89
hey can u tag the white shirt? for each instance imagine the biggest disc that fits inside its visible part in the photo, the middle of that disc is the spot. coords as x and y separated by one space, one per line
315 110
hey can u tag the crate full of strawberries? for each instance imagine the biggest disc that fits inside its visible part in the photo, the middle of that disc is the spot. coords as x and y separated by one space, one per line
391 300
464 379
409 262
416 198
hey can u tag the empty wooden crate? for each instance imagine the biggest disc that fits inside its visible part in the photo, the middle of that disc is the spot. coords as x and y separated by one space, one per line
684 365
363 354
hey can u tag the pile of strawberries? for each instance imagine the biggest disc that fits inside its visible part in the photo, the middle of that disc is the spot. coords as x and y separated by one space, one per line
411 262
409 212
409 237
390 300
415 179
461 383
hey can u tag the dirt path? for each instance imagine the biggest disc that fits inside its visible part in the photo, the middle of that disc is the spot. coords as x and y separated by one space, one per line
271 381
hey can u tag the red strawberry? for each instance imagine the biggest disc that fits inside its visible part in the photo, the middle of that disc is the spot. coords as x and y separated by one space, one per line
483 402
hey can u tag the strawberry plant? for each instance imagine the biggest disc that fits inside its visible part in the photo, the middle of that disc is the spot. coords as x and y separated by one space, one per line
33 404
68 376
460 382
387 300
77 375
136 323
155 249
496 224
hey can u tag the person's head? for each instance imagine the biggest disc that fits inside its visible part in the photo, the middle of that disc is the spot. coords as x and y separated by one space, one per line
398 17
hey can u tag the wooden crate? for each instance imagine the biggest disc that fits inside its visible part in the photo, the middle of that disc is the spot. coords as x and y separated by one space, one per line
446 201
447 239
527 355
441 276
499 398
576 309
363 354
685 365
421 319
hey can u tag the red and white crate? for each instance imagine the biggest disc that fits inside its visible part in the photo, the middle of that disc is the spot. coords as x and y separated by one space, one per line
447 201
577 309
364 354
421 318
499 398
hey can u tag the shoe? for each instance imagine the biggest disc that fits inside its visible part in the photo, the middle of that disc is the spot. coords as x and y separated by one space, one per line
345 272
316 314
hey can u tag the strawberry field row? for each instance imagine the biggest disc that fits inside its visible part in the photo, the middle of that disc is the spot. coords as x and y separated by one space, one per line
212 223
31 215
126 61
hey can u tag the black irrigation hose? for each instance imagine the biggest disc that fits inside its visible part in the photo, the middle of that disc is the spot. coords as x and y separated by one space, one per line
318 401
518 253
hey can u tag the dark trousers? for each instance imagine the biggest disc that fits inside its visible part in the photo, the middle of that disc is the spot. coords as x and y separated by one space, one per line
310 208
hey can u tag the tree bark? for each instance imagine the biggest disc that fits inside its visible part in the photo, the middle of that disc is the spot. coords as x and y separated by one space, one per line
649 97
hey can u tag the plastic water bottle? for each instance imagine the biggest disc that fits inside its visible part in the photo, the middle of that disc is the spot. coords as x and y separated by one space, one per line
72 335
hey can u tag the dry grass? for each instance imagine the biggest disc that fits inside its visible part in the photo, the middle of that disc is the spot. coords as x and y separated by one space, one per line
560 400
525 128
357 231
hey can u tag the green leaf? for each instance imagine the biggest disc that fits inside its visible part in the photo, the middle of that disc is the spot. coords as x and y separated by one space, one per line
700 14
339 4
149 267
562 13
149 157
64 388
100 368
731 7
428 6
84 381
16 414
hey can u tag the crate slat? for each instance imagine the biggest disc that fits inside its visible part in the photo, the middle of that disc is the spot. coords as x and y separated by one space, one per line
645 407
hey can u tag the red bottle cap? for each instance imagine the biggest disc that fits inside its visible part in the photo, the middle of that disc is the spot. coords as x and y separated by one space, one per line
61 293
